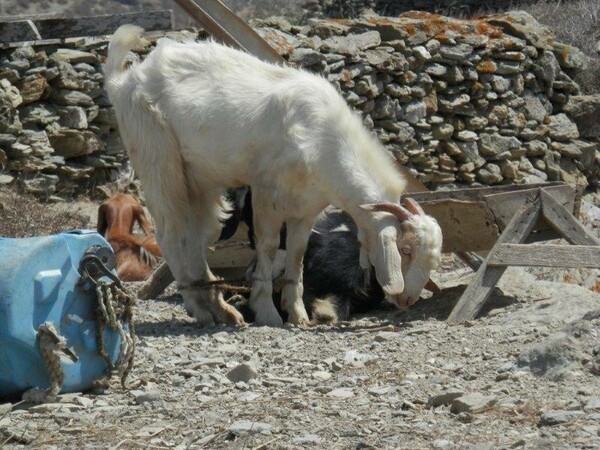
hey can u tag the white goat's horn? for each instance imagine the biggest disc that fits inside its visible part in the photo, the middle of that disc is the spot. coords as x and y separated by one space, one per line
398 211
412 205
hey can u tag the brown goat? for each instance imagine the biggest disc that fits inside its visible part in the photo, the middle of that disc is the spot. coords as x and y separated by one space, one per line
136 256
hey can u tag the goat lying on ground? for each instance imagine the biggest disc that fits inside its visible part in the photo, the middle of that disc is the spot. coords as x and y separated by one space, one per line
135 256
335 286
197 118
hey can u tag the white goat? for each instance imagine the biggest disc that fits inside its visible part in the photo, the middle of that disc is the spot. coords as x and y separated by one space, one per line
197 118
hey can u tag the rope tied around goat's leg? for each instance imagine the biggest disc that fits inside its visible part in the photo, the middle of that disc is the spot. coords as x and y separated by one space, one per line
222 284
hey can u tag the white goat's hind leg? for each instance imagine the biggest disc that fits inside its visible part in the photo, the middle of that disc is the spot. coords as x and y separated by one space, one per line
185 253
266 227
202 228
174 249
298 232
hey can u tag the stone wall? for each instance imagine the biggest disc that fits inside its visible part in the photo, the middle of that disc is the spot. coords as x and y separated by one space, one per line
352 8
465 102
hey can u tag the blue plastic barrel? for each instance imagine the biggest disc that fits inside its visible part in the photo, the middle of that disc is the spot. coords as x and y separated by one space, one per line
38 283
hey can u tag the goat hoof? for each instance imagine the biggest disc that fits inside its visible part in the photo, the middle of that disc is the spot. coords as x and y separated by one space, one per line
232 316
298 318
269 320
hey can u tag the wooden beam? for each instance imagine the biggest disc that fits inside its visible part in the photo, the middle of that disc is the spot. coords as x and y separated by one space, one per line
545 255
504 204
156 283
474 194
62 28
461 221
227 27
559 218
478 291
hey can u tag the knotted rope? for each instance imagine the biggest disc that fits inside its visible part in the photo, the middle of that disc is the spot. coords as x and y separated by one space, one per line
51 346
115 310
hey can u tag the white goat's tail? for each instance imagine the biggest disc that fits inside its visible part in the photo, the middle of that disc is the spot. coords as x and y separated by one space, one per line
124 39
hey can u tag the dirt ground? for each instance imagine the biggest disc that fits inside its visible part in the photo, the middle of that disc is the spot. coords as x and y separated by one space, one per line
526 374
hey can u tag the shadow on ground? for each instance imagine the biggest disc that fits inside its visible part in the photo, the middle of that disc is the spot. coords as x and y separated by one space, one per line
437 307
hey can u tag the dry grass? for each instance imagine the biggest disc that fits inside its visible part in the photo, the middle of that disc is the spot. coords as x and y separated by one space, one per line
575 23
25 216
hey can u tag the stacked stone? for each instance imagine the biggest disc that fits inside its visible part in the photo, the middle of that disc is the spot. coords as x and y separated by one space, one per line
341 8
486 102
57 130
459 102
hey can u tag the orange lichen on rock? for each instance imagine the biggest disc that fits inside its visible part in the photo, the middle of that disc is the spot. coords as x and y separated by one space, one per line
478 86
434 24
486 66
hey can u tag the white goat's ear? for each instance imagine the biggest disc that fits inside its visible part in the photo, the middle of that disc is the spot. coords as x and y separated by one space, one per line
388 263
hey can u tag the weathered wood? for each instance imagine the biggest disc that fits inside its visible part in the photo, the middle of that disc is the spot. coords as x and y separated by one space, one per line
476 294
238 254
560 218
227 27
503 205
466 225
231 256
545 255
157 282
471 259
475 194
62 28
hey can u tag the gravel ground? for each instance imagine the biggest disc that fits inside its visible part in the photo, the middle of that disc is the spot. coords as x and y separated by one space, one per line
525 375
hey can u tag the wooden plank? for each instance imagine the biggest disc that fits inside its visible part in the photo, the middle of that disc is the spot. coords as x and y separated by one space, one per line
545 255
474 194
237 255
503 205
466 225
560 218
471 259
156 283
62 28
24 30
477 293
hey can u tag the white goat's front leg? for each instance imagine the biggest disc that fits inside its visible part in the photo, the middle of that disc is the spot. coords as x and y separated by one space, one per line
298 233
267 225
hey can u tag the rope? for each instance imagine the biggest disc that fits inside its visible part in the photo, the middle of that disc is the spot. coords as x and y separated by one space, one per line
115 309
224 284
51 345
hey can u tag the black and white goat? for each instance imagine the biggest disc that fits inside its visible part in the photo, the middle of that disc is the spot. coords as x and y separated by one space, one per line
335 285
198 118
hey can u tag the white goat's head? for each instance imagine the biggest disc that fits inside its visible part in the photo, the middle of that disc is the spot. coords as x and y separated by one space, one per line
405 249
